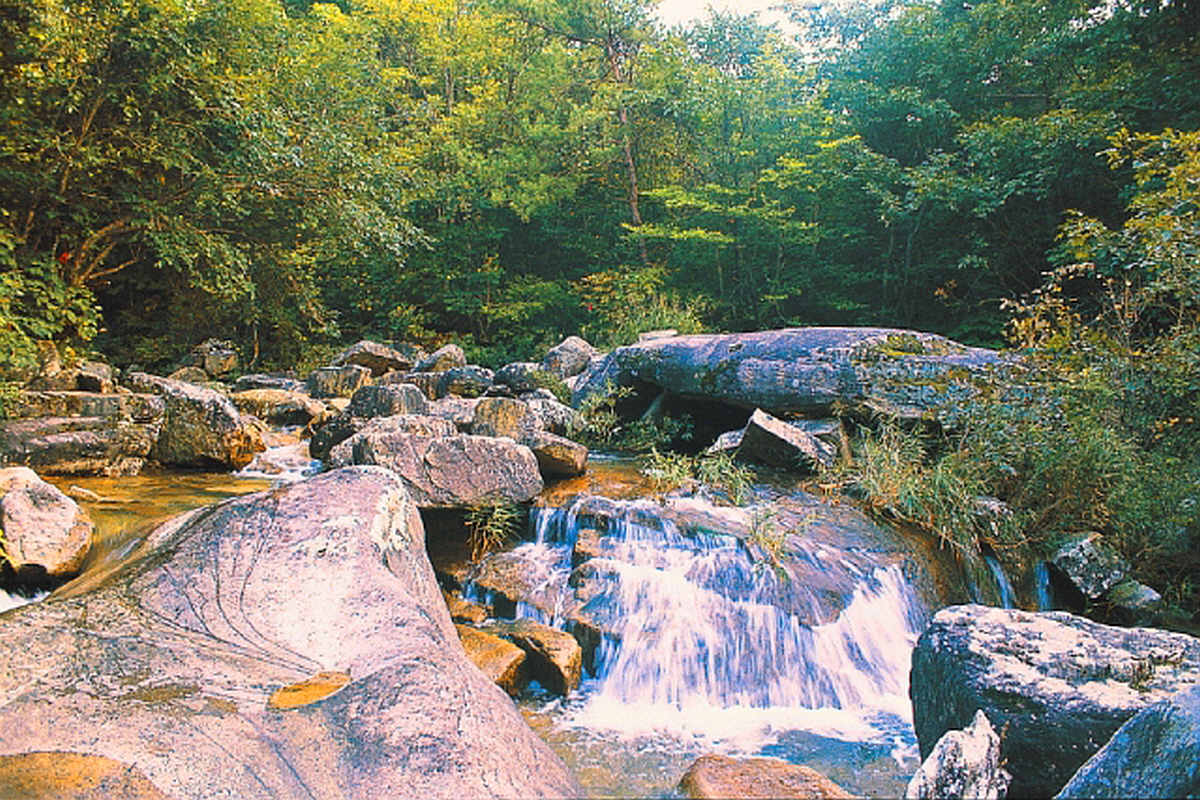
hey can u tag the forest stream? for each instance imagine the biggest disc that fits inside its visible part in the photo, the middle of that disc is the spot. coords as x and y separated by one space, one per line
707 643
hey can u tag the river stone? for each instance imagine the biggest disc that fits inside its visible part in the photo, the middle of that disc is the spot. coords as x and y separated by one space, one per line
569 357
465 611
779 444
215 357
379 358
713 776
343 453
341 381
445 357
468 381
557 456
459 410
41 525
503 416
201 428
278 406
190 374
1154 754
193 661
963 763
553 657
1090 565
457 471
897 373
1057 685
115 443
498 659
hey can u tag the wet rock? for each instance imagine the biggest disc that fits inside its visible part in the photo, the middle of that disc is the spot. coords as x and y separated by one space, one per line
1155 754
569 357
557 456
897 373
291 644
278 406
285 381
446 357
465 611
1056 684
201 428
498 659
455 471
1091 566
41 525
341 381
779 444
501 416
716 776
379 358
468 381
519 576
78 433
963 763
362 441
553 657
1133 603
727 442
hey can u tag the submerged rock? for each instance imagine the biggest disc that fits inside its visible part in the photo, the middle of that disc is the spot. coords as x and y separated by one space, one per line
289 644
1057 685
712 777
963 764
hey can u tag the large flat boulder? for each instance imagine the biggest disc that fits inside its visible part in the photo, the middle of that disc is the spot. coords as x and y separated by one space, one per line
898 373
289 644
379 358
202 428
1058 686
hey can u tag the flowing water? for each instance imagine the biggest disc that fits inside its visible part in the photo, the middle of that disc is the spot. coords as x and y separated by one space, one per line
771 630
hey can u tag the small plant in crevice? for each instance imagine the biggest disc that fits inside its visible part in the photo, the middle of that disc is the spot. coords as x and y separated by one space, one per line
598 425
719 473
491 523
768 539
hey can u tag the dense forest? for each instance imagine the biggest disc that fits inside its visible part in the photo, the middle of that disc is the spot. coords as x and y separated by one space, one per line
504 172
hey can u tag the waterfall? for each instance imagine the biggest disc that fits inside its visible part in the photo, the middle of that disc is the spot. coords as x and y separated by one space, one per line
1003 585
694 626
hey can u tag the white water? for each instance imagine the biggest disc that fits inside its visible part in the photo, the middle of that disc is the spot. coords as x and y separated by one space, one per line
705 645
286 463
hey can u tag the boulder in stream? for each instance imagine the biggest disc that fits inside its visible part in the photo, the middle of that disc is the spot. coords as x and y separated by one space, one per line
553 657
962 764
40 527
278 406
285 645
781 444
1058 686
497 658
341 381
201 428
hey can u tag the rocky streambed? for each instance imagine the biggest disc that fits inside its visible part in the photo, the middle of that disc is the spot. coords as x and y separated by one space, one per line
335 636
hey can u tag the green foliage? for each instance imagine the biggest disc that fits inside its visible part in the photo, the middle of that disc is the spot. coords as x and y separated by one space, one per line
627 302
491 525
718 472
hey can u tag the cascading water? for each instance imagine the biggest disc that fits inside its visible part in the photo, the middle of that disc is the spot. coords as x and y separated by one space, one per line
702 640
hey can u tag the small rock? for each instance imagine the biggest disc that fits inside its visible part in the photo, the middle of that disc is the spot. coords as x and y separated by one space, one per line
497 658
727 442
459 410
962 764
554 658
500 416
387 401
287 382
465 611
554 416
278 406
520 376
1133 603
1093 567
775 442
379 358
557 456
190 374
714 776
